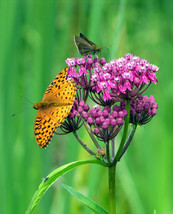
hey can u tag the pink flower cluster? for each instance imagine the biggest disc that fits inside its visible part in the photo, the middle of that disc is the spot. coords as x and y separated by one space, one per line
142 110
125 77
117 88
104 123
81 70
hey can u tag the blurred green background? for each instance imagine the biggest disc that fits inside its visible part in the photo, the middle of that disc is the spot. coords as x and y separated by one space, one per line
35 39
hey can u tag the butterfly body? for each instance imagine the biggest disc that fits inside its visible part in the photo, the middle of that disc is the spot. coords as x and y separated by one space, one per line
42 105
54 108
85 46
45 105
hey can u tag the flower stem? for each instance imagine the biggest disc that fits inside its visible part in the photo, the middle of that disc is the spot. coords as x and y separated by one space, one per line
108 153
123 140
128 141
83 144
91 135
111 175
113 148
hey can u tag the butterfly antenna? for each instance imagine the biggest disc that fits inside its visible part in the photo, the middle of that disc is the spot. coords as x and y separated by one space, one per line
24 108
26 99
20 111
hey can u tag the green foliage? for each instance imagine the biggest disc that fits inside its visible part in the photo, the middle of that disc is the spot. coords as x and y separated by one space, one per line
85 200
52 177
35 39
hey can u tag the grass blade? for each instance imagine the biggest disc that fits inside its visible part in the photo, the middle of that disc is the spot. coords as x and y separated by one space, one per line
52 177
86 201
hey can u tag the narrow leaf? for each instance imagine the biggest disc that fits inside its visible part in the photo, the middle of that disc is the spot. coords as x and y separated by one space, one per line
52 177
86 201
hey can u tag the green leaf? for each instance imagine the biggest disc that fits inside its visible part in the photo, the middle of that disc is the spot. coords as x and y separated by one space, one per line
86 201
52 177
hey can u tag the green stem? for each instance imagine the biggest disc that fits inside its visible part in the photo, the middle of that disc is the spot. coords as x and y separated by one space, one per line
112 204
108 153
123 140
128 141
83 144
91 135
86 95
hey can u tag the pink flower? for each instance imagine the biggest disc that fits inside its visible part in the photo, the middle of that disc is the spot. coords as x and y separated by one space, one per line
82 70
71 62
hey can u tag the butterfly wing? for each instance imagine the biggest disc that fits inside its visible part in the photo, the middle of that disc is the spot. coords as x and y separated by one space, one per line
58 83
83 46
46 123
60 94
60 87
87 40
44 128
66 96
95 49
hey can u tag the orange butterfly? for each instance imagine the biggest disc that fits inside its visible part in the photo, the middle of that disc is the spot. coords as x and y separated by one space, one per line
54 108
